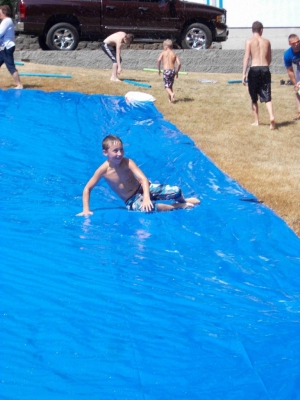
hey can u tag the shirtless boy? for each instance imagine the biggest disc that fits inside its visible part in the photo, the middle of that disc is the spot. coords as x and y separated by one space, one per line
126 179
169 58
112 47
259 76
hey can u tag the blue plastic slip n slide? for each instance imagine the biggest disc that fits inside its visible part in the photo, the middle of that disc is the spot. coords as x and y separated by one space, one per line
189 304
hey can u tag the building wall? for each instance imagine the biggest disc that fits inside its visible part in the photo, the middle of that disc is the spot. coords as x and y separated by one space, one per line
278 17
272 13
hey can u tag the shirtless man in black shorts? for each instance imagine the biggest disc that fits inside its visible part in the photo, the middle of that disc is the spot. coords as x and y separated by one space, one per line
259 76
112 47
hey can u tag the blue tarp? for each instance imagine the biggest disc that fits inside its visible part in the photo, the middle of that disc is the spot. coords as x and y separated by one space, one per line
189 304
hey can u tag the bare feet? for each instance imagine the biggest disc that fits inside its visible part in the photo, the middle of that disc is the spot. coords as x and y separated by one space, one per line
115 79
272 125
177 206
188 203
193 200
171 98
19 87
255 124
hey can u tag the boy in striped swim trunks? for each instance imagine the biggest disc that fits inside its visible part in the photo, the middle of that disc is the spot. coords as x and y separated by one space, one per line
126 179
169 59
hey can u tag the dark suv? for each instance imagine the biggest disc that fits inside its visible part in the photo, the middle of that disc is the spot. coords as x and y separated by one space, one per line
62 23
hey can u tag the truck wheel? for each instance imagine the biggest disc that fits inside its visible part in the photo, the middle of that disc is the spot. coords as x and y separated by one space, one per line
62 36
196 36
42 42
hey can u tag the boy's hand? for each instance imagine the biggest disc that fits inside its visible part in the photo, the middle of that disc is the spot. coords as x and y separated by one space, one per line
119 71
147 205
84 214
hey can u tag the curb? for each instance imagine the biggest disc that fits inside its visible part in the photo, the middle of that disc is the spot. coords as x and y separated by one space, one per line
213 61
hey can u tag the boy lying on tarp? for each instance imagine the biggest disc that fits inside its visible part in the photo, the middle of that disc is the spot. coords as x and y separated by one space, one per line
127 180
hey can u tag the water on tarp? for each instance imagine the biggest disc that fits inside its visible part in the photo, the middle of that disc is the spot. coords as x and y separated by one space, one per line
189 304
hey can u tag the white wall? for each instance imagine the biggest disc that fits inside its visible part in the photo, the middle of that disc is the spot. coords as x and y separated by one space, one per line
272 13
215 3
197 1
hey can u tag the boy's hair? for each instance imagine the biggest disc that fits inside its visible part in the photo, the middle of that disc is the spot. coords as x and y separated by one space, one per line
6 10
108 140
168 43
257 27
293 36
129 37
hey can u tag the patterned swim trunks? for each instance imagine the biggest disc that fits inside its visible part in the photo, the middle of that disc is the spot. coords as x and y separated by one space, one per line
157 192
169 75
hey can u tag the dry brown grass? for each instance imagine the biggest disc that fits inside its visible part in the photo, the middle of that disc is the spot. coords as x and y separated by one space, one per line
218 118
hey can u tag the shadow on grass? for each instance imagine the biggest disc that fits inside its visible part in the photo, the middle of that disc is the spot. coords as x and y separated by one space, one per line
184 100
285 123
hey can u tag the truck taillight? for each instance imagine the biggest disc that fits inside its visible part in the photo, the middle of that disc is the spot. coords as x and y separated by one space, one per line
22 9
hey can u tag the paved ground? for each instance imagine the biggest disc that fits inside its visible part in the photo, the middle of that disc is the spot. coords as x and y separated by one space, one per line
215 61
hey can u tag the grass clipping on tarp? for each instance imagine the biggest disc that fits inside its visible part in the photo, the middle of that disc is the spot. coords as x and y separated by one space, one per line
218 118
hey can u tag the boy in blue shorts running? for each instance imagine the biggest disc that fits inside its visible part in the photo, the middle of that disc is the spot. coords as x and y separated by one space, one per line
126 179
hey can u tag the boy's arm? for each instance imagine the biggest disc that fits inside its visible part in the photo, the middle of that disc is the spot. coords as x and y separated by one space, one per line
147 204
291 75
289 67
269 54
87 191
245 61
178 65
158 62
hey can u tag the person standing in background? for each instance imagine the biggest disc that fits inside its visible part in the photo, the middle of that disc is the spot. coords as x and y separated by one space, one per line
292 56
112 47
169 59
258 50
7 43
